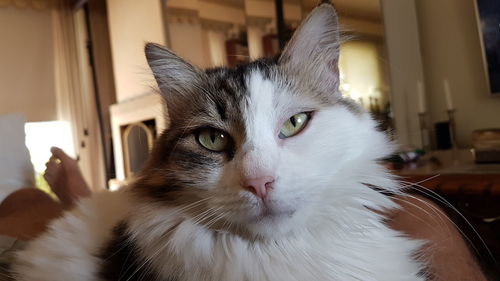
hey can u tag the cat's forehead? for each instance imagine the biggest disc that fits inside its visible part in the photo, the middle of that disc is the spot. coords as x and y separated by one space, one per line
240 89
234 81
231 90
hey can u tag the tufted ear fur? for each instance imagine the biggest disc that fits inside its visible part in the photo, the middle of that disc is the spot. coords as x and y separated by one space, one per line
313 51
178 80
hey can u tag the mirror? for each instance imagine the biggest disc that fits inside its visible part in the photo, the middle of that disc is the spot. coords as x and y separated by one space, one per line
138 139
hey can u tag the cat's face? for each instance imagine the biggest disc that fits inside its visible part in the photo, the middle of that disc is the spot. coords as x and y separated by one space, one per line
258 148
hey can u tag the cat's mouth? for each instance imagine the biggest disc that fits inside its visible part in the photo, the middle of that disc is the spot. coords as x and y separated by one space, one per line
269 213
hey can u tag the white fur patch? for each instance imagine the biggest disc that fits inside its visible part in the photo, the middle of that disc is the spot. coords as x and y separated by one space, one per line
260 119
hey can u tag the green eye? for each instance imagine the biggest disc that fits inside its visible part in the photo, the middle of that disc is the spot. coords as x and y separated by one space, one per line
294 125
213 139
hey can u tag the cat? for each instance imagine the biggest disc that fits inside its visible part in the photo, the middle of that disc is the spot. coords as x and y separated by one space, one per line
265 174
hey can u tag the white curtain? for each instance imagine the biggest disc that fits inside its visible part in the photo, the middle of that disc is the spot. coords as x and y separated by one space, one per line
76 102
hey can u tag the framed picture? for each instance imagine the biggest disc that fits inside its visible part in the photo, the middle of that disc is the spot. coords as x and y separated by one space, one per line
488 15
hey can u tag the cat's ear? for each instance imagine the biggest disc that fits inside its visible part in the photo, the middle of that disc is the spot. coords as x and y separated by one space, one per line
313 51
177 79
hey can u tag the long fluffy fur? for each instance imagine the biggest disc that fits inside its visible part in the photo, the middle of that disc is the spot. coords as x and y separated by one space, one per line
187 218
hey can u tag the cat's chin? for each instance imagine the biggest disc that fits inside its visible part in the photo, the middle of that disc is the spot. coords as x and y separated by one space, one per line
272 223
269 215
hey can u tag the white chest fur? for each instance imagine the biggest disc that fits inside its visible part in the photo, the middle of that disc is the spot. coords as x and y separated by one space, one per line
331 250
365 250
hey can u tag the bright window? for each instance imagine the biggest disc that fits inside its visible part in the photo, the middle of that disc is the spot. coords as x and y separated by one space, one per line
41 136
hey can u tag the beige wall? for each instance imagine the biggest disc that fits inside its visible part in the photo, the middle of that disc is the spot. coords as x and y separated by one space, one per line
267 9
27 63
255 47
451 49
217 47
221 13
132 23
189 41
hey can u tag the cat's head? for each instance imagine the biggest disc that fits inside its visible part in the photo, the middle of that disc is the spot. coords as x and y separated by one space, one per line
262 148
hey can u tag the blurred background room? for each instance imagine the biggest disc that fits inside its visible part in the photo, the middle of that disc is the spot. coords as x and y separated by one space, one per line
73 74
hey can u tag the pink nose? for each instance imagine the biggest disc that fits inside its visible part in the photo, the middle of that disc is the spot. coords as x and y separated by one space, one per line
259 186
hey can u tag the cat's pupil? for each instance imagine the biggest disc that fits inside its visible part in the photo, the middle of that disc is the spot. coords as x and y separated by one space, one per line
212 137
293 121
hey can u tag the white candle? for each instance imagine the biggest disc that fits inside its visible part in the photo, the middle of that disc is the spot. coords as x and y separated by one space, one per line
421 97
447 94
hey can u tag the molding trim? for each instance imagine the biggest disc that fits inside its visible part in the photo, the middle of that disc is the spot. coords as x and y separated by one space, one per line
260 22
216 25
29 4
178 15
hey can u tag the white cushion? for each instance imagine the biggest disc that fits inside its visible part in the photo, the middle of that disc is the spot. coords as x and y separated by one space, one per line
16 170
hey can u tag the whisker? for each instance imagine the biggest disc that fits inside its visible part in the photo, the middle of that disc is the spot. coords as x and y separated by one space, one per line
448 204
417 217
439 213
175 211
432 194
196 219
209 216
466 237
148 259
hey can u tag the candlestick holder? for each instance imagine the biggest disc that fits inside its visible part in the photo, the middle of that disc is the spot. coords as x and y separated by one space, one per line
423 129
451 120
